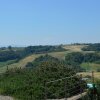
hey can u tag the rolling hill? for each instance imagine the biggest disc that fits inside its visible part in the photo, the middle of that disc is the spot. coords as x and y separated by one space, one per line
24 78
30 58
60 55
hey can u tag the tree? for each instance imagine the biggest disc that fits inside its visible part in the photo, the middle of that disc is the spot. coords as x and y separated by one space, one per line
10 48
75 57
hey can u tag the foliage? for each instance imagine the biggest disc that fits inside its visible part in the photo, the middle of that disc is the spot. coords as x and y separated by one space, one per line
8 55
91 57
29 84
90 66
74 57
11 54
78 60
92 47
43 49
98 69
77 57
40 59
6 63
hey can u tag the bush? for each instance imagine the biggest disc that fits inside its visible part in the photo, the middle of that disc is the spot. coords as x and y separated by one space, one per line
92 47
28 84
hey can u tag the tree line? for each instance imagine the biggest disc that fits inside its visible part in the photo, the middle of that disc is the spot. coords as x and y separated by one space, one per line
92 47
11 54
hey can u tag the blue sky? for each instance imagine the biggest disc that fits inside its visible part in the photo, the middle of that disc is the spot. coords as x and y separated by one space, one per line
35 22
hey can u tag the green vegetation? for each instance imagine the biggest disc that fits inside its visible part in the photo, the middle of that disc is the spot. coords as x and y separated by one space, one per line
84 61
92 47
77 57
29 83
23 59
43 58
2 64
11 54
89 57
8 55
40 50
74 57
35 65
91 66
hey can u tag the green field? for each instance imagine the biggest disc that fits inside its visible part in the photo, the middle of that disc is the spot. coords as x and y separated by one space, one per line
90 66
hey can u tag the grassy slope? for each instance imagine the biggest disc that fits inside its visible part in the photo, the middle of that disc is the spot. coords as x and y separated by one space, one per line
20 64
7 63
59 55
31 58
90 66
74 47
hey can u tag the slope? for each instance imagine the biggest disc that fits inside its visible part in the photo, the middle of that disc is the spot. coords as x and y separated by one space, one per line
60 55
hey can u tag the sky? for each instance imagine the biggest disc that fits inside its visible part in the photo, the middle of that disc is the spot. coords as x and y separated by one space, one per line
49 22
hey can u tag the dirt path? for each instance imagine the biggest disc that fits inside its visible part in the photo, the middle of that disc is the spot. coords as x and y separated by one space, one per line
73 97
6 98
77 96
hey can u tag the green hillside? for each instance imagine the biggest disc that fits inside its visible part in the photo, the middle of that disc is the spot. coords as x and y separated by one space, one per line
28 84
58 54
24 78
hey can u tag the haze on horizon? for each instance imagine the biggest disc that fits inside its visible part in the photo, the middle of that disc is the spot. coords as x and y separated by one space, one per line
49 22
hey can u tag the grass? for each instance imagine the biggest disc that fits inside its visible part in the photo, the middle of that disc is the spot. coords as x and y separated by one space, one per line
74 47
22 63
96 74
60 55
90 66
7 63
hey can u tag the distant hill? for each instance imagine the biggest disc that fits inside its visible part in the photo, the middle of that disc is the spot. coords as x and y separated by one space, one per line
92 47
11 53
60 54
